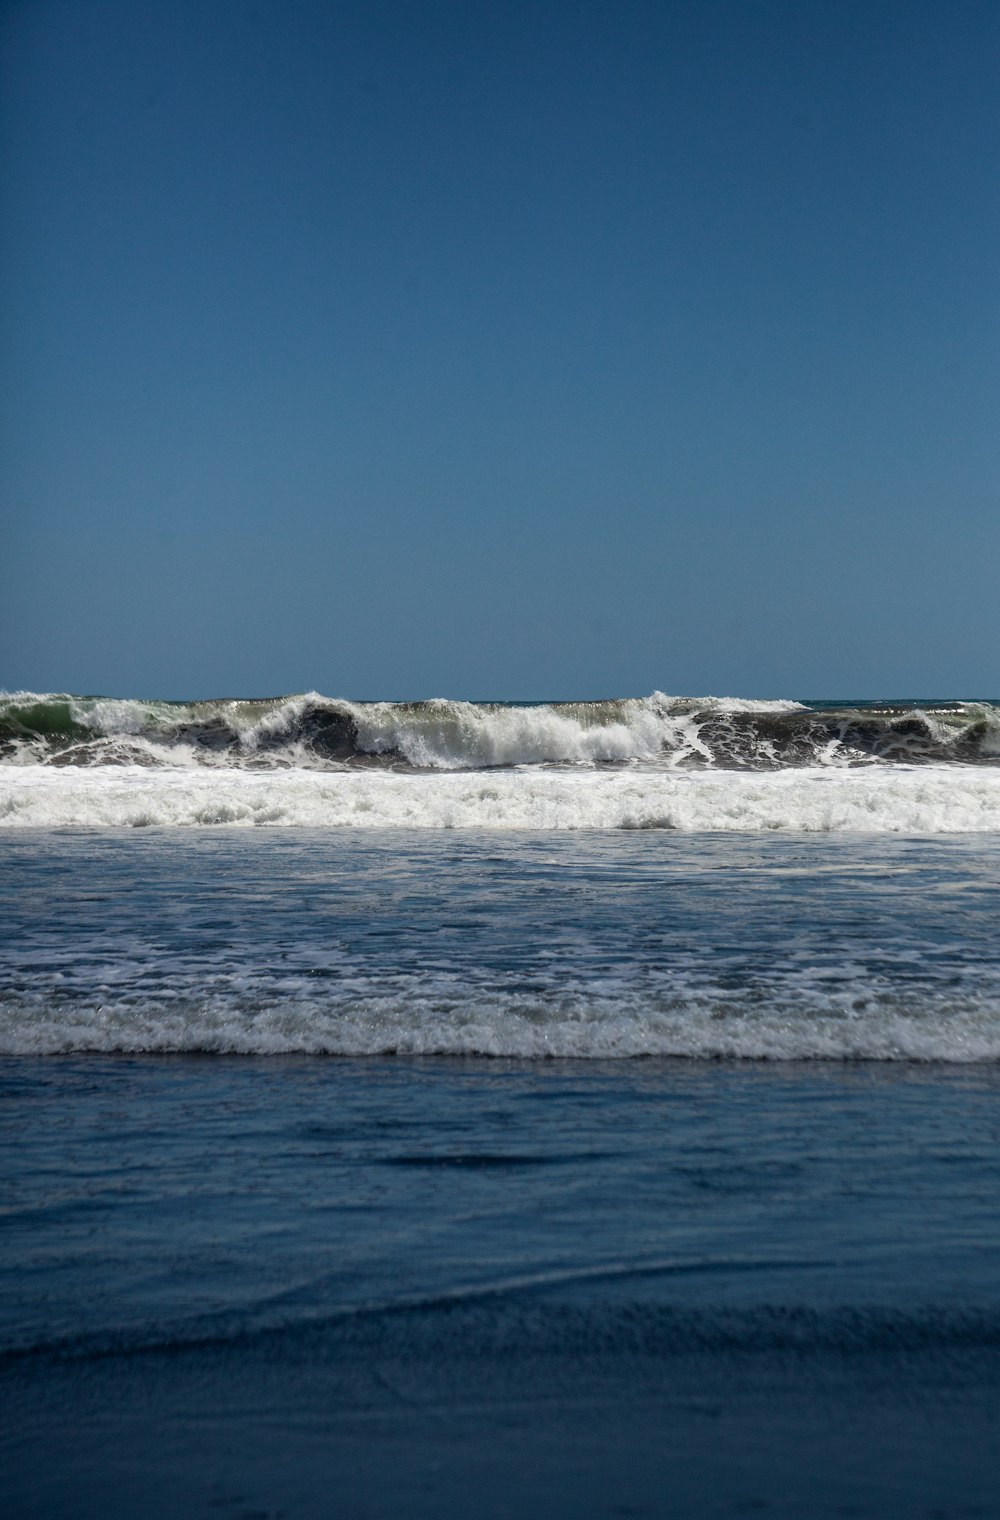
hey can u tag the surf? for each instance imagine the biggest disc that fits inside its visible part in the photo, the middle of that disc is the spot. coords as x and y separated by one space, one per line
886 799
315 732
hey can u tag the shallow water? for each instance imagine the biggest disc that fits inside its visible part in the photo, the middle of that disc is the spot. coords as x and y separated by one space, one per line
539 945
160 1202
303 1287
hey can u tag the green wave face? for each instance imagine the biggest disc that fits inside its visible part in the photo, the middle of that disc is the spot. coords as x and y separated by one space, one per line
51 717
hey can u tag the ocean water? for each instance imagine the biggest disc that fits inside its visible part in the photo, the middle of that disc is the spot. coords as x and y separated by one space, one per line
658 762
596 944
447 1109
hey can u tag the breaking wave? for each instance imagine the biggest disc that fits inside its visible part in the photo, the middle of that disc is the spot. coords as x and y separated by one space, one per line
879 800
787 1017
664 762
320 733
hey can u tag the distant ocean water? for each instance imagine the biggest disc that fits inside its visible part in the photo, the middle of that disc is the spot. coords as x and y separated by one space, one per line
602 1106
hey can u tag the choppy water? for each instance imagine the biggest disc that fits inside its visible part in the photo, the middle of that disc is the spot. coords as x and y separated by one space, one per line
361 942
322 732
689 764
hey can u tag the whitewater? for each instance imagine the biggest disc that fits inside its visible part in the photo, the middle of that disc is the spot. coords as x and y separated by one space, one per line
900 799
658 762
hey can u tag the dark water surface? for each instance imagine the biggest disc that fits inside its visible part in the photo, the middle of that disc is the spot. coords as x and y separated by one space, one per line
424 1287
156 1202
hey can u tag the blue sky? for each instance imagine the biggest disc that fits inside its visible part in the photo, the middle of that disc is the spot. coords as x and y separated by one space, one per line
501 349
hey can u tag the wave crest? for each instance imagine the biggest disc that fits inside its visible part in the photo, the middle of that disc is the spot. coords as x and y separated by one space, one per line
317 732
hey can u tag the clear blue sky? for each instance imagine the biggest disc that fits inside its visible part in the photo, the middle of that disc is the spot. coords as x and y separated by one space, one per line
471 348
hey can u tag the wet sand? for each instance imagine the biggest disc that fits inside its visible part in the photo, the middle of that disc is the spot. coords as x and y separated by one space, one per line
364 1426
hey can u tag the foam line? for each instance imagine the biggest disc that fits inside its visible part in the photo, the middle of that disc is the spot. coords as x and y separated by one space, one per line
885 799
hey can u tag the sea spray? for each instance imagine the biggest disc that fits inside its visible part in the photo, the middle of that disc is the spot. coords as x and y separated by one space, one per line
317 732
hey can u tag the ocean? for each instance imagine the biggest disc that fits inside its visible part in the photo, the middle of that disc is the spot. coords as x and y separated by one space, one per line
451 1109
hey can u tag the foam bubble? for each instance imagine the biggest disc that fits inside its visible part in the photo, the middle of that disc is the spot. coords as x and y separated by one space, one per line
885 799
441 1017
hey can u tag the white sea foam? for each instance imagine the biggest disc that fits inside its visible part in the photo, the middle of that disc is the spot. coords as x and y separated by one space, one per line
445 734
595 1024
885 799
317 732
